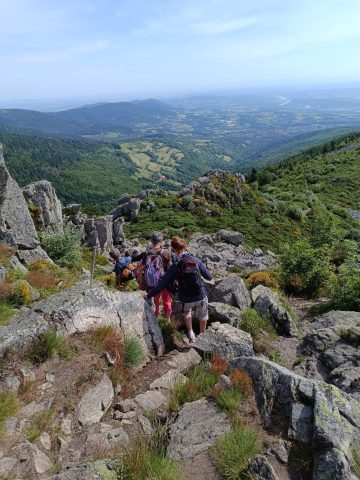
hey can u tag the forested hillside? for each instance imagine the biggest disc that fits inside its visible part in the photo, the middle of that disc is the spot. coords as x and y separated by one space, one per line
96 173
303 196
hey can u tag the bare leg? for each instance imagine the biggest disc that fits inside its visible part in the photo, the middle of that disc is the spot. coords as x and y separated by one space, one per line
202 325
188 322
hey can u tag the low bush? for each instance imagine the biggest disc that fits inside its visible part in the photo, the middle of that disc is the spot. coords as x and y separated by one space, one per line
350 337
9 405
268 279
295 213
109 280
47 345
345 290
63 247
232 452
6 312
100 259
20 294
354 234
16 274
305 270
134 353
253 323
42 265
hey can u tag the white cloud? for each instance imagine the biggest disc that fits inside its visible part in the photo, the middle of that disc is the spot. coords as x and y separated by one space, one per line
215 27
61 55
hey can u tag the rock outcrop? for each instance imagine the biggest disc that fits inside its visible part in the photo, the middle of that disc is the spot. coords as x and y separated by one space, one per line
128 207
225 340
99 233
308 411
223 313
221 256
333 349
197 427
72 213
16 225
230 290
81 307
96 402
208 191
268 303
44 205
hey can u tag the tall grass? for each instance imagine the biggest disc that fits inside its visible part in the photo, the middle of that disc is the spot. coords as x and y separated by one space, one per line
199 382
141 462
232 452
39 424
6 312
134 353
9 405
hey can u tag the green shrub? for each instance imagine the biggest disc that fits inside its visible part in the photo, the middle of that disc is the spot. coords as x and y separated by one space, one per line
305 270
345 292
232 452
253 323
47 345
16 274
350 337
267 222
20 294
295 213
9 405
354 234
63 247
134 353
267 278
262 332
169 332
6 312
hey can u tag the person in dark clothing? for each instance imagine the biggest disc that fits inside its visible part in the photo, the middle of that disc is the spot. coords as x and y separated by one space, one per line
123 267
187 272
155 251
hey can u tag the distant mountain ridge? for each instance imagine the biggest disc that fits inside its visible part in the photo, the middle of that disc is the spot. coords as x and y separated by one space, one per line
87 120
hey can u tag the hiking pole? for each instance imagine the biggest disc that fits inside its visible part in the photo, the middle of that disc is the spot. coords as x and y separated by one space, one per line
92 265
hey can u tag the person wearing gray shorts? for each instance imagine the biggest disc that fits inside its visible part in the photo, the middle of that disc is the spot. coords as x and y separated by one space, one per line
187 274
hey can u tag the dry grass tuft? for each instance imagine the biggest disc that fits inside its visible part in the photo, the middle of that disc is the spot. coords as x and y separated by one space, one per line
219 365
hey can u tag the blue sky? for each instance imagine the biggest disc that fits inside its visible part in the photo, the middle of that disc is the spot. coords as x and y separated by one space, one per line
139 48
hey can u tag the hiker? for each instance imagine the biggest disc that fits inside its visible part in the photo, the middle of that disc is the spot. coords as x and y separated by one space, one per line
124 267
155 262
187 272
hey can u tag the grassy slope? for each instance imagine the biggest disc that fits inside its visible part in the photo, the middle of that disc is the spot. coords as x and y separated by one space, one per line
332 177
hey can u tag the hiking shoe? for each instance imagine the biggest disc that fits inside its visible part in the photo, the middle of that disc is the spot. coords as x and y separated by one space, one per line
191 337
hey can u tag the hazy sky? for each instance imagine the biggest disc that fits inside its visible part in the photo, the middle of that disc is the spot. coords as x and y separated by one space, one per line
139 48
